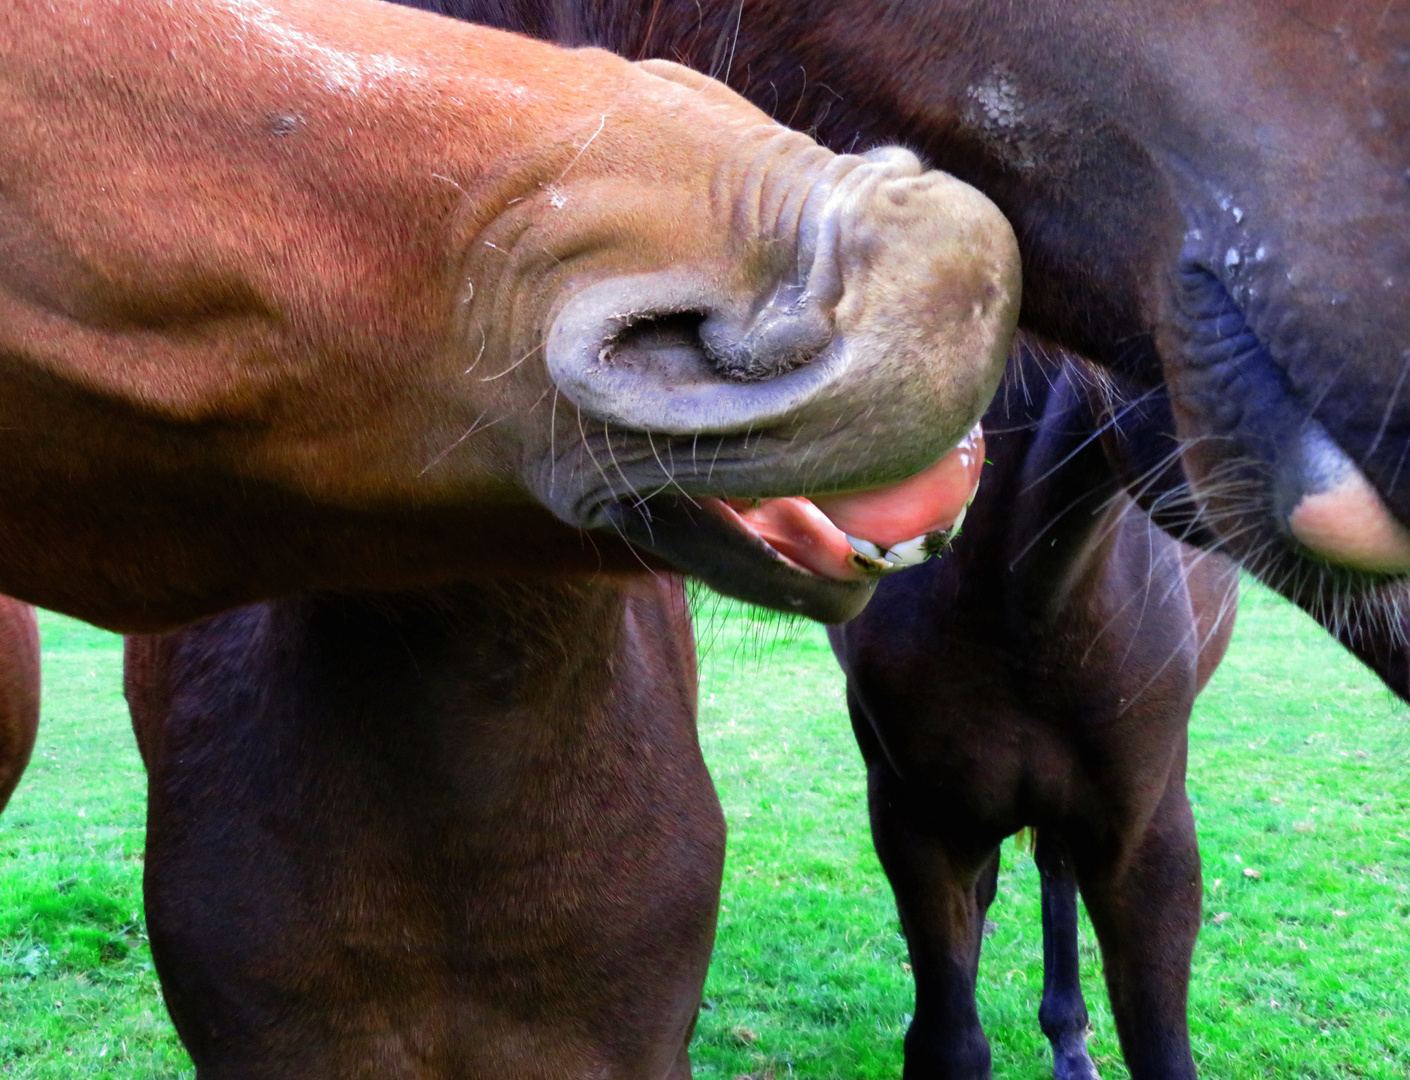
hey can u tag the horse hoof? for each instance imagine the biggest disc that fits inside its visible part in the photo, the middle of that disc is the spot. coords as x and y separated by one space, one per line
1074 1064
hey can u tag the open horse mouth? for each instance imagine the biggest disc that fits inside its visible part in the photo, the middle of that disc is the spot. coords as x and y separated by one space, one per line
790 437
859 535
820 557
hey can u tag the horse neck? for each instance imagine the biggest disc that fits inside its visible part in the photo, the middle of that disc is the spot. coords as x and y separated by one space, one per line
511 663
1049 492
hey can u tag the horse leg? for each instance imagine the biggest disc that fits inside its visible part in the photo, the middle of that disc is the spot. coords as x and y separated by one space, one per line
1145 907
942 894
1063 1013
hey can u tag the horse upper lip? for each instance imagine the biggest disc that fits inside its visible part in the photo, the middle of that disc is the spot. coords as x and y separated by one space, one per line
1320 497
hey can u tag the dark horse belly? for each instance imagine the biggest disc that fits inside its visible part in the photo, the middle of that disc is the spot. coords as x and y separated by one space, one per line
398 836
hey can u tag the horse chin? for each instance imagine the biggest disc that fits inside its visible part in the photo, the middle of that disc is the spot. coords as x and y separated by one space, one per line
696 538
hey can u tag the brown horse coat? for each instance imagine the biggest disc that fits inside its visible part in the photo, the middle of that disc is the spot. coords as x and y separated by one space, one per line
19 691
1220 215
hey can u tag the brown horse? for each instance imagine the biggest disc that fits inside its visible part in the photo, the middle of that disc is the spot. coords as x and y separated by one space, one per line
1212 204
19 691
465 829
307 295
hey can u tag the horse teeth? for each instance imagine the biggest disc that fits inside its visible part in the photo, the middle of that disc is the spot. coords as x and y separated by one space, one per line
937 543
867 548
910 552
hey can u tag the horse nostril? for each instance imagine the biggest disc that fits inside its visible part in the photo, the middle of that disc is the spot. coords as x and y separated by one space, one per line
660 335
772 344
657 352
781 338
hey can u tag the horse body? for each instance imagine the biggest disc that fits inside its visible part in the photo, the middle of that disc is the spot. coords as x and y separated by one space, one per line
19 691
466 833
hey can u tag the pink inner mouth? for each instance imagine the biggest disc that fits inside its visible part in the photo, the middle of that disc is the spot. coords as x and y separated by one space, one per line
812 534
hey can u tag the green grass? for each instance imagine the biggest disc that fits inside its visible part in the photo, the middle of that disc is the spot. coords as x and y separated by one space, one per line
78 997
1300 770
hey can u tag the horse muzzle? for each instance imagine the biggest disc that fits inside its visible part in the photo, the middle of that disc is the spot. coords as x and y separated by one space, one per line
864 359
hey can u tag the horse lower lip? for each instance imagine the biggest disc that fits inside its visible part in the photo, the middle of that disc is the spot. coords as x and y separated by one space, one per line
797 531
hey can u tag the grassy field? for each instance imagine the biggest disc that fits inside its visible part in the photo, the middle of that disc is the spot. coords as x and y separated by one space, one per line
1300 771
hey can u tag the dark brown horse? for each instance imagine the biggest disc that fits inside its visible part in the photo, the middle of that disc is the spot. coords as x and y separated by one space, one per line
1042 675
19 691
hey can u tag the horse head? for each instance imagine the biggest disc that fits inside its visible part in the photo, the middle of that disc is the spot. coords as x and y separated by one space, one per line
381 300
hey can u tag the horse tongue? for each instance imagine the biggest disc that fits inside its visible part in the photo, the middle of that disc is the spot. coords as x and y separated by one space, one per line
814 533
800 532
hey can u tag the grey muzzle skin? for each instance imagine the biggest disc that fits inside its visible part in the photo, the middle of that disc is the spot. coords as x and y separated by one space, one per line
872 351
